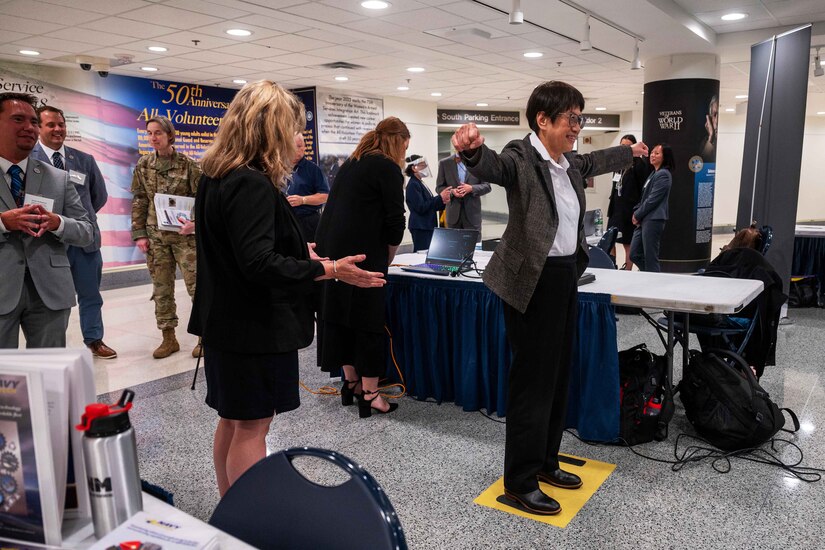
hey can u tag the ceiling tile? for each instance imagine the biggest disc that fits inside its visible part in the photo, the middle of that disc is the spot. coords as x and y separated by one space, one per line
254 51
327 14
26 26
171 17
127 27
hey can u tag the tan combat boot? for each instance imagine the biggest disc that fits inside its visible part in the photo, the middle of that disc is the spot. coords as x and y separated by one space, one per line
168 346
196 351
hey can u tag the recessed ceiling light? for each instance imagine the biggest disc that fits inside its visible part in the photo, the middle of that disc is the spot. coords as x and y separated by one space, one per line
601 108
743 96
415 69
238 32
29 52
149 69
482 104
730 110
341 78
533 55
820 112
403 88
375 5
157 49
436 94
239 81
734 16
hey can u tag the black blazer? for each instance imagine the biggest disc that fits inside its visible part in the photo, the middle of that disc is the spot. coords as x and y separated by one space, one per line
423 205
363 215
254 278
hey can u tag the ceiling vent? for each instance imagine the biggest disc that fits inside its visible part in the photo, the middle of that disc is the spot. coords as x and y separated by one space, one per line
342 65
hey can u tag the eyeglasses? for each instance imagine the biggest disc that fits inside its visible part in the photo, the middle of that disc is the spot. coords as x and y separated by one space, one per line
573 119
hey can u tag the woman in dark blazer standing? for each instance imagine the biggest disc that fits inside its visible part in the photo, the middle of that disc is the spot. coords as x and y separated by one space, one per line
534 270
423 205
365 212
624 197
651 214
255 272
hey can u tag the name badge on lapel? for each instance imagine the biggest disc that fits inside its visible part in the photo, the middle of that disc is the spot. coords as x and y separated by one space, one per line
78 178
45 202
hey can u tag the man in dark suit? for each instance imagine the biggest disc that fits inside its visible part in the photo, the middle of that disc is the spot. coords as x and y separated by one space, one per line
86 262
464 210
40 214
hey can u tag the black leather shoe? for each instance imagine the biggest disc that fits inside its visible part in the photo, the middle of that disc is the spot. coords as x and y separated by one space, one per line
560 478
535 502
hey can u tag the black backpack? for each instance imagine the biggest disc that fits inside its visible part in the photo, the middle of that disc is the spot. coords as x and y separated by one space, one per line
725 403
646 406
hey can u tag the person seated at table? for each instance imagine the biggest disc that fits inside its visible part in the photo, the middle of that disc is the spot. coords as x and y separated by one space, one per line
364 212
750 237
534 270
423 205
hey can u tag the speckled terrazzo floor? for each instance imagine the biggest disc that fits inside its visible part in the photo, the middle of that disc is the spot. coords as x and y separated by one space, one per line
433 460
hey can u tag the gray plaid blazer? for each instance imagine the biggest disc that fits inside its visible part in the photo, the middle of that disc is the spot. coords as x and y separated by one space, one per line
514 269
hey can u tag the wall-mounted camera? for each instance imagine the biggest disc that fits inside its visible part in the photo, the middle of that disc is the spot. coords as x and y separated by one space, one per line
85 62
102 69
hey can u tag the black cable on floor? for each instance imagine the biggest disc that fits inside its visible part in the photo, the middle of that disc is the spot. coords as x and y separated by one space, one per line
491 418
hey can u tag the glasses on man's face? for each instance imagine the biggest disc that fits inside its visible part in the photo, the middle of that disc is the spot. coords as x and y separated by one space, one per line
573 119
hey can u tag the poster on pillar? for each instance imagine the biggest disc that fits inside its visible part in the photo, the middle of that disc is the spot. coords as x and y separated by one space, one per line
684 113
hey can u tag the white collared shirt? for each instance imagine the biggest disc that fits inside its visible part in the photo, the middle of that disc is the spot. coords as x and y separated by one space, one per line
50 153
566 242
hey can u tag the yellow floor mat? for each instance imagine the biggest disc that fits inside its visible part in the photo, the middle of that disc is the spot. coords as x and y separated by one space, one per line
592 472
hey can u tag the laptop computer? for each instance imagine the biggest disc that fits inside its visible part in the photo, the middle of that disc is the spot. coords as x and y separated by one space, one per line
450 251
589 223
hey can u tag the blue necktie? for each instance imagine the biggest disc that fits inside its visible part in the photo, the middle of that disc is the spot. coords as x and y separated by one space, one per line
16 174
57 162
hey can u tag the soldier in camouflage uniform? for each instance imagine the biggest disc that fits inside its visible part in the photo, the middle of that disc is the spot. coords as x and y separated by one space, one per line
172 173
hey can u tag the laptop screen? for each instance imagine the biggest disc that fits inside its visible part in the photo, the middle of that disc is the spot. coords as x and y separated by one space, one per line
451 246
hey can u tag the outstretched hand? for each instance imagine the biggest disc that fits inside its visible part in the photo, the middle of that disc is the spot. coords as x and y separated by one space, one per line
344 269
467 137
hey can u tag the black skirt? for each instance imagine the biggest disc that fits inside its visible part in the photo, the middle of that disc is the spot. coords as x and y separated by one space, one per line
251 386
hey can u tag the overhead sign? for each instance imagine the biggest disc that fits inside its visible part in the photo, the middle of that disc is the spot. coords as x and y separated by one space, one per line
487 118
603 122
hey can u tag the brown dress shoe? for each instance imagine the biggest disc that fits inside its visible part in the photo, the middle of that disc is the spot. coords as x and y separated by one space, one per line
197 350
99 349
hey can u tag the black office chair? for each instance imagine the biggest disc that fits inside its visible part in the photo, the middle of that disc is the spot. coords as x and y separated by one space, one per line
272 505
608 240
599 258
766 232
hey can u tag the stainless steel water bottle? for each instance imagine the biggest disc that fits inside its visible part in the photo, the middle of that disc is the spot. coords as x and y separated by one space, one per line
110 455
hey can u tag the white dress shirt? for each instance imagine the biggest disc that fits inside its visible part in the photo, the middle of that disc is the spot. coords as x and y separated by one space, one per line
50 153
566 242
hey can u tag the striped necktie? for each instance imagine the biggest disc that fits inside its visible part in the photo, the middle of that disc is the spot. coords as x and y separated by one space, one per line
57 162
17 187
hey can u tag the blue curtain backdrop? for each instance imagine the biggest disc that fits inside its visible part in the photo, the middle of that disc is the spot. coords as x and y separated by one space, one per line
449 340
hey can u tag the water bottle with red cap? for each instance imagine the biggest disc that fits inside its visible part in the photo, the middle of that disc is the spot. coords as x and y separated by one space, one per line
110 455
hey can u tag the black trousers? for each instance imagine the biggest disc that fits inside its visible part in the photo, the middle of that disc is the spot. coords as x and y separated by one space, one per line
309 224
421 238
541 340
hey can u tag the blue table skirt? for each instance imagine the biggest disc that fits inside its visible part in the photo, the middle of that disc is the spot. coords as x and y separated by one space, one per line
809 259
449 340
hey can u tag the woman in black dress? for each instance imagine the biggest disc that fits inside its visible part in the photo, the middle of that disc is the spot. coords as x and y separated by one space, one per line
364 212
255 275
627 190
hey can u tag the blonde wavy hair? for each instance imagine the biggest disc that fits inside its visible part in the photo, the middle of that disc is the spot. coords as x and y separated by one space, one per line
258 130
388 139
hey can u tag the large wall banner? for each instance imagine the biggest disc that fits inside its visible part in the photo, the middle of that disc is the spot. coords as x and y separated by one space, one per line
106 118
684 113
307 97
342 120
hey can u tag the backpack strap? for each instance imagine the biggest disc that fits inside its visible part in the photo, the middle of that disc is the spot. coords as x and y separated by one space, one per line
793 417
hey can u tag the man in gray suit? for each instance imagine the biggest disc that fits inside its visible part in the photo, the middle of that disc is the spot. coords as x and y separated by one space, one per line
86 262
40 213
464 210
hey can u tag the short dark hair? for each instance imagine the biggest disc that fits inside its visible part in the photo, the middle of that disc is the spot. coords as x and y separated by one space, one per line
410 159
668 160
17 96
552 98
629 137
40 110
165 125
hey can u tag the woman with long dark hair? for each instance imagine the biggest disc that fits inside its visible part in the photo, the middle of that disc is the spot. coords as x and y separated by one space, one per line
625 195
651 214
364 212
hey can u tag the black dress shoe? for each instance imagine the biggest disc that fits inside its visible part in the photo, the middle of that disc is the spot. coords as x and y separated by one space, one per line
535 502
560 478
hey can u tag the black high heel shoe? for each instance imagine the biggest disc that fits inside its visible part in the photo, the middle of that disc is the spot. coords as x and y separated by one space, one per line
348 392
365 408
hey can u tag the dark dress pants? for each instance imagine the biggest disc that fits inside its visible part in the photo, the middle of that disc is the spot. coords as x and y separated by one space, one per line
644 248
309 224
421 238
87 270
541 340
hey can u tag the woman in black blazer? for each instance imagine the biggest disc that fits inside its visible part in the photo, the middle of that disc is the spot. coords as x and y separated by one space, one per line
423 205
625 195
650 215
364 212
254 273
